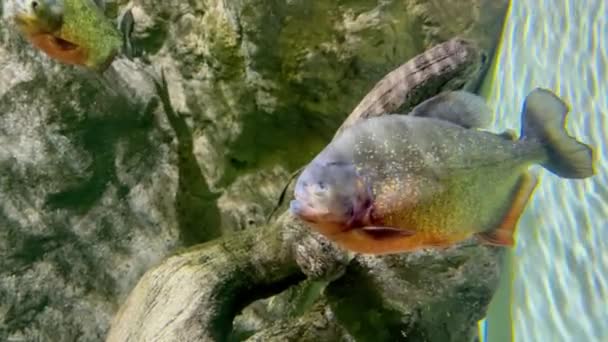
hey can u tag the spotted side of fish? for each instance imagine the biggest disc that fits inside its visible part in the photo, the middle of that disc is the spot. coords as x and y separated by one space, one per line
397 183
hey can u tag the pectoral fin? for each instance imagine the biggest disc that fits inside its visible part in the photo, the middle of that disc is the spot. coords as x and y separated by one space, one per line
379 233
59 49
503 234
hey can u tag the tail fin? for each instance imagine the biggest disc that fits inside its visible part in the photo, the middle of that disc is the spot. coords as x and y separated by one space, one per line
543 120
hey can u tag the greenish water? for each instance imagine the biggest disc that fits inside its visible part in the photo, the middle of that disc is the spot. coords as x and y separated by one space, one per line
557 289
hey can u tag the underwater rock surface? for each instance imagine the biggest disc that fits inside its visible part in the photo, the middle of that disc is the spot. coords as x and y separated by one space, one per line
99 182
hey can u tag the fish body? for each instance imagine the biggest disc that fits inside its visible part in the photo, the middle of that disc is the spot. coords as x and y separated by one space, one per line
73 32
397 183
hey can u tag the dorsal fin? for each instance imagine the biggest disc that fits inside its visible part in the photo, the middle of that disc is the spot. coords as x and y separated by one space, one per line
459 107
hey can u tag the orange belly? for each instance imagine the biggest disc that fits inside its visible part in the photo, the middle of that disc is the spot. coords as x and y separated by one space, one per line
59 49
361 242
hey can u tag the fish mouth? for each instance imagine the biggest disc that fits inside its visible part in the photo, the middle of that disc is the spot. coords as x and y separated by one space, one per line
30 22
26 20
306 212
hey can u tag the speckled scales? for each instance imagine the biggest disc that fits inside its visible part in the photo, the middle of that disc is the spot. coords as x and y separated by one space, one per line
433 176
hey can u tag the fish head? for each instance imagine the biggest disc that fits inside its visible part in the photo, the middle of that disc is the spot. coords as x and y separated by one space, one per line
332 195
39 16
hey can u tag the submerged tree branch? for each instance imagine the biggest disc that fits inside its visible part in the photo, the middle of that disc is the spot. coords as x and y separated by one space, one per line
318 324
194 295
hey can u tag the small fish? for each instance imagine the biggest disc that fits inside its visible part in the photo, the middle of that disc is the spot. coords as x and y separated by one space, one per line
73 32
398 183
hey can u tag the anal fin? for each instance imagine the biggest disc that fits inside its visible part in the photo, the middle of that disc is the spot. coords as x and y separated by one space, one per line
503 234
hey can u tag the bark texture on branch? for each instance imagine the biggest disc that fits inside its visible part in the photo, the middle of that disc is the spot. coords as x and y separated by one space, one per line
430 295
194 295
317 324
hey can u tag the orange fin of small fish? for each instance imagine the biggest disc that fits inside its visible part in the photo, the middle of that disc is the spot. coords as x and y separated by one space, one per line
503 234
380 233
59 49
